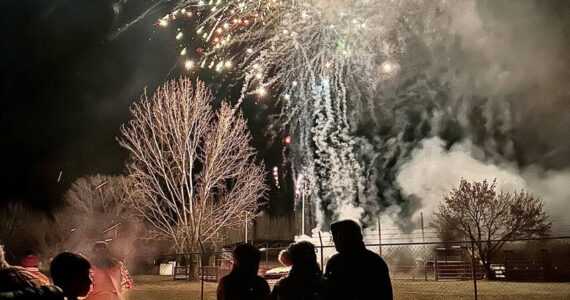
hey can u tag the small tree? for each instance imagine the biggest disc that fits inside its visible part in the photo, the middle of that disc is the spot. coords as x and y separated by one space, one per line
489 219
12 221
192 168
96 208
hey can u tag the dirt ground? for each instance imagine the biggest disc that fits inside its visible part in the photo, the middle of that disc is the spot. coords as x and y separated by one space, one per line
164 288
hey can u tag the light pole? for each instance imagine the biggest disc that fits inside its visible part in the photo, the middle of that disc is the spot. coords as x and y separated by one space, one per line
302 189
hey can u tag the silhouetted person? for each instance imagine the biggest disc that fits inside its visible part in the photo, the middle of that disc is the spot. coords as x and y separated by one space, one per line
70 272
243 283
355 273
13 278
284 258
110 278
305 280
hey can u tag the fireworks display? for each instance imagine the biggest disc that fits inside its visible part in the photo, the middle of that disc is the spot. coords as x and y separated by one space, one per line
319 60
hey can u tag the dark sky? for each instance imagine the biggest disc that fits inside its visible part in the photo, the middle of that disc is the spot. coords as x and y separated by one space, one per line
67 86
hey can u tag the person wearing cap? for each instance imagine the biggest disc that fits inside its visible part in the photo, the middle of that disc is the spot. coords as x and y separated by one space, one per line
31 262
355 272
14 278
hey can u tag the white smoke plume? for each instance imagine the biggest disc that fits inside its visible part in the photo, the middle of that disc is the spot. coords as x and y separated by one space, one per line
433 171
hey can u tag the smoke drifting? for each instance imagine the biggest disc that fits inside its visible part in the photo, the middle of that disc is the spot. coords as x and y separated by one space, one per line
482 93
433 171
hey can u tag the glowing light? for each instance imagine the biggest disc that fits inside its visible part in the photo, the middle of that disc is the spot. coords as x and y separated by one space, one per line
287 140
179 36
328 65
261 91
162 22
255 66
287 97
183 52
228 64
258 76
294 83
189 64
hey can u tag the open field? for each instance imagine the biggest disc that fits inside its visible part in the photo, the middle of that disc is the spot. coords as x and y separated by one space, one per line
164 288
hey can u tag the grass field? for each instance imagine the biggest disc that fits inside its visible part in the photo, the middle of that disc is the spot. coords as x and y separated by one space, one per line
164 288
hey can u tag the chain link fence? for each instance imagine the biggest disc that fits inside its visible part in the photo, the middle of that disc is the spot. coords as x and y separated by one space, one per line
523 269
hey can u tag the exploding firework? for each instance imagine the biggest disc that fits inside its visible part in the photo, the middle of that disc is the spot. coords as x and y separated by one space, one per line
320 60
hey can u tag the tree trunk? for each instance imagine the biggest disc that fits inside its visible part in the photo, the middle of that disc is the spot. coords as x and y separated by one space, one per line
489 274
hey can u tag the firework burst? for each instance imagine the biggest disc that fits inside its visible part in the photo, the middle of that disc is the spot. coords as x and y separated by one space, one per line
320 60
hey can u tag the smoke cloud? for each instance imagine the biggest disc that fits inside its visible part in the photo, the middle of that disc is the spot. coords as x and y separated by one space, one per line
433 171
481 93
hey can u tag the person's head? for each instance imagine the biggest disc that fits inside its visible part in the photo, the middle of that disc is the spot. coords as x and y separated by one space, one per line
303 255
101 256
31 258
246 259
285 258
347 236
70 272
100 249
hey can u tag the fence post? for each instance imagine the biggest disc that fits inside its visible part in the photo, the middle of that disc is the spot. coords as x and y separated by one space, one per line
201 269
379 237
424 245
473 273
321 242
245 229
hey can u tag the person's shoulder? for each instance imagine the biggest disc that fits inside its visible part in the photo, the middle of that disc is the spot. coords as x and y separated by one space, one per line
334 259
373 258
260 280
283 282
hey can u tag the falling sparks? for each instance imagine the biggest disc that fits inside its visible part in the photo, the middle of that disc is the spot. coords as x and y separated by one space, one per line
276 177
316 56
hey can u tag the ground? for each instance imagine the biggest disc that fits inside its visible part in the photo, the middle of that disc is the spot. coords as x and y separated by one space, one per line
164 288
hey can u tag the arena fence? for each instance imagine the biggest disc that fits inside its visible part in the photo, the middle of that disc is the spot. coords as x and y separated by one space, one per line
522 269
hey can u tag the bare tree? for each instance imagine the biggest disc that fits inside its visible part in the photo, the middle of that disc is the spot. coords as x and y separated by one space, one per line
489 219
193 171
13 219
96 208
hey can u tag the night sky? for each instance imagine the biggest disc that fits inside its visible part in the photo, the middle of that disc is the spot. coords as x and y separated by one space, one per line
67 86
69 79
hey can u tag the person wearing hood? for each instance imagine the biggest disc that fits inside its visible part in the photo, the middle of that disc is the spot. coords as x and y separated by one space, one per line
355 272
305 280
243 283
